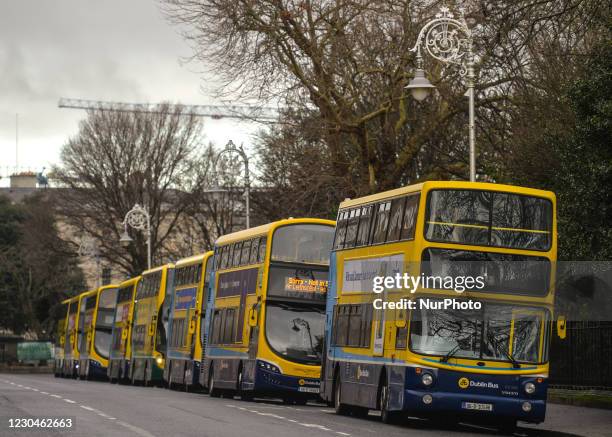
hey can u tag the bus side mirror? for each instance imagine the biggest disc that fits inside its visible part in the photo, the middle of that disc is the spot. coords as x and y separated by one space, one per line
252 317
561 327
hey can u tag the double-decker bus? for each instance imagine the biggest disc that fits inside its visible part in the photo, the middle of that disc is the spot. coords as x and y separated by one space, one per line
87 306
97 325
150 326
120 349
485 362
60 338
72 337
187 311
265 319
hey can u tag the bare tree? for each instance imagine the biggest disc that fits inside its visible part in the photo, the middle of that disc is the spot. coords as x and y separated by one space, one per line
347 62
118 159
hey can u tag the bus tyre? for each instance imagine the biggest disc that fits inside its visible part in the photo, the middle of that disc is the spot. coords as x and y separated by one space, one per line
243 395
186 380
212 391
385 415
339 407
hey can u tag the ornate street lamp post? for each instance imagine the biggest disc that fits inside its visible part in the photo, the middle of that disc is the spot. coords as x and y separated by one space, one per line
140 219
230 147
448 40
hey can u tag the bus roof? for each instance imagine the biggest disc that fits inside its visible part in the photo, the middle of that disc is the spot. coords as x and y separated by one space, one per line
157 268
264 229
193 259
129 281
447 184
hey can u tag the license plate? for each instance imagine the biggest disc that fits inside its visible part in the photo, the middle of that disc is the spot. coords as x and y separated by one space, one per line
476 406
309 389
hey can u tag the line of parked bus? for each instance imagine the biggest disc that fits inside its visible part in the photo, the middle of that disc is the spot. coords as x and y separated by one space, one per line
285 310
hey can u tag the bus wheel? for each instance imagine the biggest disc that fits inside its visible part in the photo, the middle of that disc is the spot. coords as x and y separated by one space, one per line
212 391
243 395
386 415
186 380
340 408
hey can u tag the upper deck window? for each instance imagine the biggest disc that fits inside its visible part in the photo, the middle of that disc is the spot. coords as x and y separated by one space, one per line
303 243
487 218
104 321
383 222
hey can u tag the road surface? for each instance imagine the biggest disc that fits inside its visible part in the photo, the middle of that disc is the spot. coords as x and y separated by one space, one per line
102 409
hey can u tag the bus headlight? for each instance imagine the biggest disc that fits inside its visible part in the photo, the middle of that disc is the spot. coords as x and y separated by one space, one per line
427 399
268 366
526 407
427 379
159 361
530 388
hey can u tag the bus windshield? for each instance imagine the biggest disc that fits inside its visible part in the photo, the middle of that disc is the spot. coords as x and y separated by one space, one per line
495 332
295 332
104 321
487 218
501 273
303 243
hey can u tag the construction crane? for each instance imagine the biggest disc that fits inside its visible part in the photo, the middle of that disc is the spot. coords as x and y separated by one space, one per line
245 112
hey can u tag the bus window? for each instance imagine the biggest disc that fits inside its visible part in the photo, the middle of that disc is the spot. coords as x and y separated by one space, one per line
409 220
295 331
236 254
246 253
351 229
364 226
262 249
302 243
341 229
395 220
254 251
381 223
488 218
104 321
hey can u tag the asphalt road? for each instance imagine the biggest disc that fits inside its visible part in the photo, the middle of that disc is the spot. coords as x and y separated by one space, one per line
102 409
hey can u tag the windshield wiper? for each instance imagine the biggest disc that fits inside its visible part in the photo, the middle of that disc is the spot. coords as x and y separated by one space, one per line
498 348
450 354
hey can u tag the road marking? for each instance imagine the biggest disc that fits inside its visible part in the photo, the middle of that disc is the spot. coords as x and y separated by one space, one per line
44 393
70 401
35 389
85 407
55 396
137 430
281 418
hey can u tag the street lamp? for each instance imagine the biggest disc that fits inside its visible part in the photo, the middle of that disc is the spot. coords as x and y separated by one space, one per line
231 147
448 40
137 218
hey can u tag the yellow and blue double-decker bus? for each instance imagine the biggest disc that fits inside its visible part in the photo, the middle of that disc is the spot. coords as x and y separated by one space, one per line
97 326
187 311
73 334
60 338
437 349
87 306
265 319
120 349
149 332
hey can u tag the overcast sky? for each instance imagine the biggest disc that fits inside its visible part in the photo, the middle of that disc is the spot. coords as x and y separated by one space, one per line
122 50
